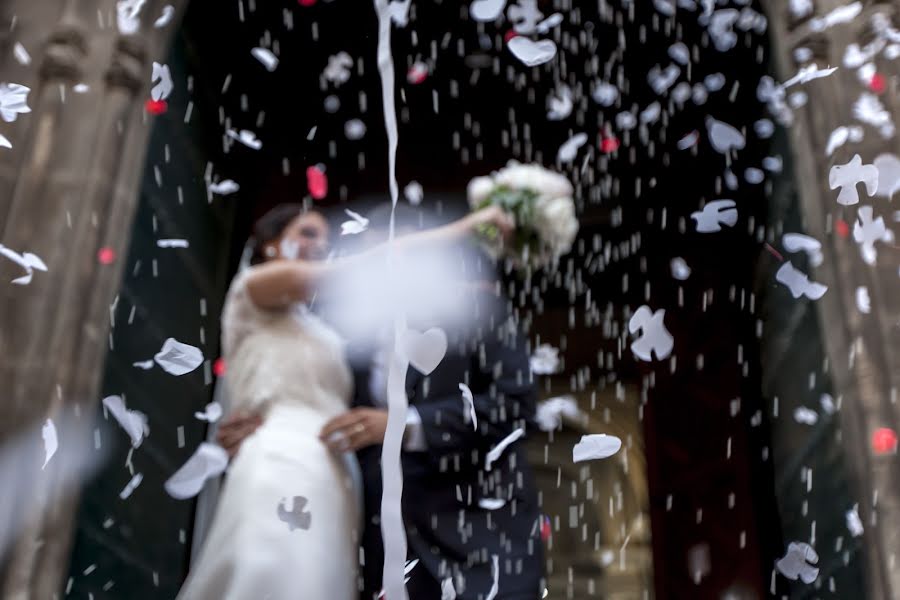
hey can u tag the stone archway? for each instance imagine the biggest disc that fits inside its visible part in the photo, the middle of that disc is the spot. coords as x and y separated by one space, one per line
68 188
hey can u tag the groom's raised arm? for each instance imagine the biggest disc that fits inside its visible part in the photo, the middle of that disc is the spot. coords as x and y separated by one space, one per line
504 395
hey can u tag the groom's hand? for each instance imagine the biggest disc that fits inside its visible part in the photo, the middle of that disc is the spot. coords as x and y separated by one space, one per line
355 429
234 429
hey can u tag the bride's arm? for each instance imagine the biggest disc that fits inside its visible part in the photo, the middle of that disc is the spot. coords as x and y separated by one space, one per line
279 283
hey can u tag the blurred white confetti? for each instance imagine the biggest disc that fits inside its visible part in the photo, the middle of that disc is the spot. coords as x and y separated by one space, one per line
595 447
448 592
798 563
207 461
680 269
178 358
131 486
551 412
266 57
128 16
798 282
715 214
544 360
13 101
354 129
173 243
161 77
569 150
27 261
212 412
51 441
132 421
863 302
338 69
246 137
356 225
854 523
165 17
797 242
468 405
867 230
806 416
414 193
21 54
224 188
486 10
501 446
560 104
491 503
888 166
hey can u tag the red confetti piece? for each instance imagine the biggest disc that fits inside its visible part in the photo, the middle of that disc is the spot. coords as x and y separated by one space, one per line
609 145
417 73
884 441
841 228
545 528
219 367
106 255
156 107
878 83
510 35
317 182
774 252
306 2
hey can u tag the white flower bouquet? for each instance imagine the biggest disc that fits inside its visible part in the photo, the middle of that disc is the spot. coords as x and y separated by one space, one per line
541 203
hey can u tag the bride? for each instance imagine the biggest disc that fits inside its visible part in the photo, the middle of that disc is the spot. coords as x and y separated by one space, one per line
288 521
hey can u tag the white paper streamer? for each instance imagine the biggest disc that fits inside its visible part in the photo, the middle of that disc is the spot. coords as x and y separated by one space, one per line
392 530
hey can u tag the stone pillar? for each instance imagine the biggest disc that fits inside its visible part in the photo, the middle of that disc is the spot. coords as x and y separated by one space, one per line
68 187
861 348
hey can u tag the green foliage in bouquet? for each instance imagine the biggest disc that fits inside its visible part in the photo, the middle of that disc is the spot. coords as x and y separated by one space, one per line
521 204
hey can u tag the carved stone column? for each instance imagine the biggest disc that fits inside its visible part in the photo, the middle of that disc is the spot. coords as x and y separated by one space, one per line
68 187
862 348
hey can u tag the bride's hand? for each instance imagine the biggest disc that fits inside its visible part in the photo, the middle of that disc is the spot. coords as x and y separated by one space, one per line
495 216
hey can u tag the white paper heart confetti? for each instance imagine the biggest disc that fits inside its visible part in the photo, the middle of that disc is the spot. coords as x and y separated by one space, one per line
425 350
486 11
532 53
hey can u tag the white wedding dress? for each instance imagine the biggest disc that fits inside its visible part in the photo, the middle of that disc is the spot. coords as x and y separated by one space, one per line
288 520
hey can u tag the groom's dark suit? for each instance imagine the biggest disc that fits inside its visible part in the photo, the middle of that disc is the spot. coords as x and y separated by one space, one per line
447 530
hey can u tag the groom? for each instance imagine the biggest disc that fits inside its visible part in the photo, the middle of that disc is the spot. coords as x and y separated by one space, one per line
472 519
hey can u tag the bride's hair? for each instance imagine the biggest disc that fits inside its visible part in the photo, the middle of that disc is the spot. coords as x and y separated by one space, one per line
270 226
